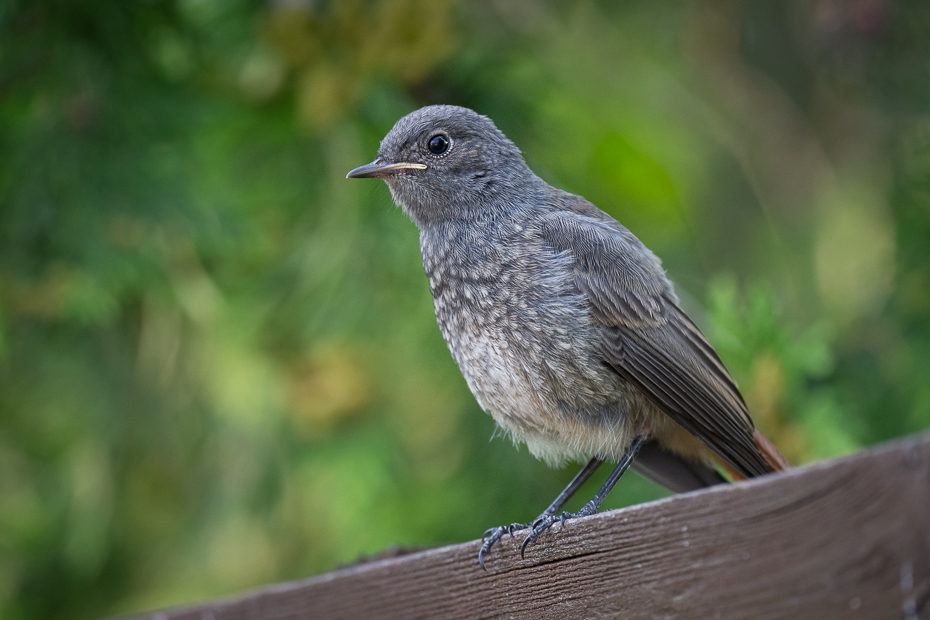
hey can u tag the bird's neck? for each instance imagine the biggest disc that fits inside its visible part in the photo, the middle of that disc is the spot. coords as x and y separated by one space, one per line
478 203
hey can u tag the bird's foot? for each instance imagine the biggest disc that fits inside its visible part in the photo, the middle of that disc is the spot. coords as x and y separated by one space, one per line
545 521
492 535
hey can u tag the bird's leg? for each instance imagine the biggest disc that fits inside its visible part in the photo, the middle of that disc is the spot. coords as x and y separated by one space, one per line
493 534
546 520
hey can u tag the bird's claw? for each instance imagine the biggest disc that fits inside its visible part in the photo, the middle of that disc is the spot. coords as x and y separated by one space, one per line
540 525
493 534
544 522
497 532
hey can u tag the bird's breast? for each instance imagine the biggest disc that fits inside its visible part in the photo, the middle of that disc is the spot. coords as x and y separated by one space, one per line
521 334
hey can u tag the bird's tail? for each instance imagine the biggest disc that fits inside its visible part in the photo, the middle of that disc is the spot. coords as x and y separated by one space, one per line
672 471
680 475
775 459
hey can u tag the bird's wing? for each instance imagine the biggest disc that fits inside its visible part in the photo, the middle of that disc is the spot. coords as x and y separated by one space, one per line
647 339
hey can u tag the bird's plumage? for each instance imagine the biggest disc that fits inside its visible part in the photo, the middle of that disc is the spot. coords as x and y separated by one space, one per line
563 323
644 335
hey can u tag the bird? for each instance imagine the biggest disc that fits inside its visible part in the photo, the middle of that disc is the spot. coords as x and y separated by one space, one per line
563 323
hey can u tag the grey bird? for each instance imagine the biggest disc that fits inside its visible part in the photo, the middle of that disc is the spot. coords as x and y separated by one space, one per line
564 324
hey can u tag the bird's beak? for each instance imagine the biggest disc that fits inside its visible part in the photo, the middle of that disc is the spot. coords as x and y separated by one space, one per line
379 168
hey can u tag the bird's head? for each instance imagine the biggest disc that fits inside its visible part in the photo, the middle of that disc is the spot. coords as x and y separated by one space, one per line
445 163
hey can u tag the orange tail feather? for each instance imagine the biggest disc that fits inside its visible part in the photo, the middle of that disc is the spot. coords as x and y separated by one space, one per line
775 459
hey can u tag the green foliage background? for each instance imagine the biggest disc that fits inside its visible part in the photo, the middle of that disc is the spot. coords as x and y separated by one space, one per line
219 365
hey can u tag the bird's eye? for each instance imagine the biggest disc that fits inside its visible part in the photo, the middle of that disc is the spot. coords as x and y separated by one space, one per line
438 144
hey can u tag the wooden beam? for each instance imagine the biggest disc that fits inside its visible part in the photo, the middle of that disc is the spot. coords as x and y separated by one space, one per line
848 538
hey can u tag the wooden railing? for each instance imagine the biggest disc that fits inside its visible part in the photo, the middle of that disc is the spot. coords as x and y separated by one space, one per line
848 538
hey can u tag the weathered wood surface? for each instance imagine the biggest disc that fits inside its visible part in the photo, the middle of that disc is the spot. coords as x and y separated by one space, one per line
844 539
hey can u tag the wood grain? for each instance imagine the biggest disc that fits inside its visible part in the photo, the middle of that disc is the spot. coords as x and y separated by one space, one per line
844 539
